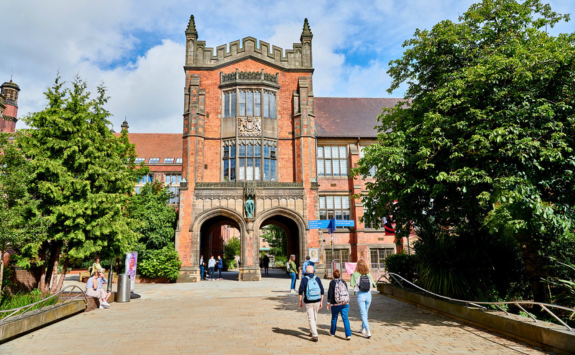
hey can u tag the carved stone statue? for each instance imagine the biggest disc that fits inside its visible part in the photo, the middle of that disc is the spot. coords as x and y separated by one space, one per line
250 207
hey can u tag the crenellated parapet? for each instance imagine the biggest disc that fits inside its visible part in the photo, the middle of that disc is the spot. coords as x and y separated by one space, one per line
198 56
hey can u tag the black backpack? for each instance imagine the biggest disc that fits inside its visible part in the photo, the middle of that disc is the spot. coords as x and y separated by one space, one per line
364 283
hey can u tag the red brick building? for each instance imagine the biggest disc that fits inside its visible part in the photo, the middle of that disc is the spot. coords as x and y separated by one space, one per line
253 130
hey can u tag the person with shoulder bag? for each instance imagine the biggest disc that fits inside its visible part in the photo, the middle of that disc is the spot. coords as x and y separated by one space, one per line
311 291
362 281
338 301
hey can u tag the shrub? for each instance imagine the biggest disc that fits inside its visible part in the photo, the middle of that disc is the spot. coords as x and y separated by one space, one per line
164 263
280 259
401 264
279 263
23 299
231 264
232 249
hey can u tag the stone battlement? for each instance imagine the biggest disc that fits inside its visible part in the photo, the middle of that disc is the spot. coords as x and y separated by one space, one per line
206 57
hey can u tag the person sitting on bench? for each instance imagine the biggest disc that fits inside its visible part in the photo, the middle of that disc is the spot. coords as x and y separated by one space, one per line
94 289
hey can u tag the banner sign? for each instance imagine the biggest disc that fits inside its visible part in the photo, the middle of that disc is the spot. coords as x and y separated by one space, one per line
131 263
350 268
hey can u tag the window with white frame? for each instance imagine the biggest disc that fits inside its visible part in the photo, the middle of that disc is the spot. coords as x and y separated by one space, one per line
340 256
249 162
334 207
249 102
174 195
178 160
361 155
378 257
146 179
332 161
173 179
154 161
168 160
140 160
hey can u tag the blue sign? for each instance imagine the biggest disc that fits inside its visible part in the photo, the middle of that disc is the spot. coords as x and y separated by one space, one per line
344 223
330 224
318 224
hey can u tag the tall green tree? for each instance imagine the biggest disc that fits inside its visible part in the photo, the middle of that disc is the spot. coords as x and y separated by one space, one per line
84 177
484 139
18 222
158 219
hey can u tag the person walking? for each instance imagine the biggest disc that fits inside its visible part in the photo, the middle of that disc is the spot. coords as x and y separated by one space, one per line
311 291
338 301
211 266
202 268
292 272
306 263
362 281
266 263
220 267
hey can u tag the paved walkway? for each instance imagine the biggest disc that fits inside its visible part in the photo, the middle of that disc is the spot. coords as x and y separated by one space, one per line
230 317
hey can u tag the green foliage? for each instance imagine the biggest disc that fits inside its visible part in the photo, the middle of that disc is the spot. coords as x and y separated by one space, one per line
483 134
232 249
281 259
19 224
277 239
231 264
401 264
82 173
158 219
279 263
163 263
20 300
445 263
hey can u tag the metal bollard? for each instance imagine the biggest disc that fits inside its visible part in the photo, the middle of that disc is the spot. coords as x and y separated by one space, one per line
123 288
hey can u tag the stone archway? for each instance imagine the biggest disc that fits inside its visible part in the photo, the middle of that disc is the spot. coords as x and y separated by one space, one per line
206 221
288 219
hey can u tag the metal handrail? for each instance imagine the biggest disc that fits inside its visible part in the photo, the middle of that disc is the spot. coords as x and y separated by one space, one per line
64 300
496 304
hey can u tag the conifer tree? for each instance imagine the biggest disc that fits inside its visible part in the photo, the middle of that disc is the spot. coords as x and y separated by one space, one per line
84 177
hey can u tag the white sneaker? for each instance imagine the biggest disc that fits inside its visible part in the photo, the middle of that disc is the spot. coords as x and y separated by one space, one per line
103 307
106 304
368 335
348 338
362 331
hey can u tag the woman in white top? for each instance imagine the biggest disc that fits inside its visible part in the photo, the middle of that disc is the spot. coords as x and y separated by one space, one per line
94 289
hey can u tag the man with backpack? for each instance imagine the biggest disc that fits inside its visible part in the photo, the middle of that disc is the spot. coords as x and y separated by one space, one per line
306 263
311 291
338 301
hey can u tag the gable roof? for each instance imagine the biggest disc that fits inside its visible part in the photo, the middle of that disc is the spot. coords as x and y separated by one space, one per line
157 145
348 117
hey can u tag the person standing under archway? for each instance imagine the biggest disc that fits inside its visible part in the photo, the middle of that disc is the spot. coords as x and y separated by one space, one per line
266 263
292 272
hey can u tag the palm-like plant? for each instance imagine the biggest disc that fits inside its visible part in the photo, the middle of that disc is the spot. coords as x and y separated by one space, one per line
566 288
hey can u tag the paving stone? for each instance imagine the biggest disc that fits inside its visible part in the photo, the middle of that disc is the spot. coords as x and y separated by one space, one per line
231 317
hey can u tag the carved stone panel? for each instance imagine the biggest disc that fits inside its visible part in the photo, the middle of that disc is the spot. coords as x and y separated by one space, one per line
250 126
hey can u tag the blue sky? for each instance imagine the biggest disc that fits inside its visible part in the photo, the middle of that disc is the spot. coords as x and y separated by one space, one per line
136 47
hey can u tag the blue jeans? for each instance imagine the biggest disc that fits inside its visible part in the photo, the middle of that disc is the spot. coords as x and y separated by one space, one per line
292 274
202 273
364 300
335 311
211 273
220 271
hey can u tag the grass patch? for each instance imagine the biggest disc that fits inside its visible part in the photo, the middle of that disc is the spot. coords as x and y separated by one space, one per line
23 299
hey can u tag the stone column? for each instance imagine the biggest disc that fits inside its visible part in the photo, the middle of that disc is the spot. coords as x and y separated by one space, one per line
250 269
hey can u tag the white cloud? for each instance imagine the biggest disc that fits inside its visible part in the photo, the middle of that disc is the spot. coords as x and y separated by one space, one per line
137 46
